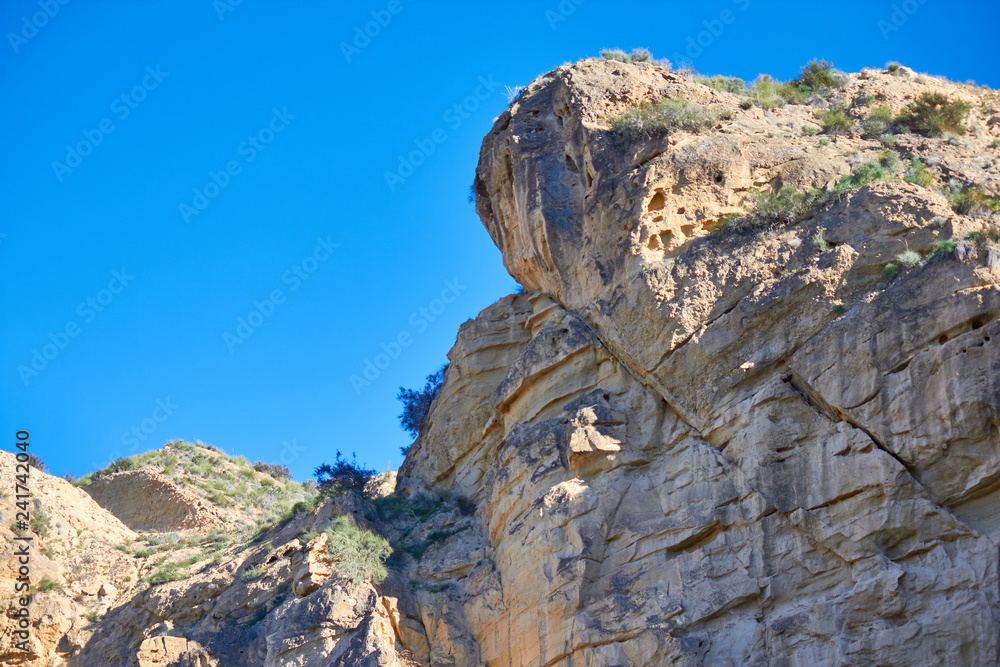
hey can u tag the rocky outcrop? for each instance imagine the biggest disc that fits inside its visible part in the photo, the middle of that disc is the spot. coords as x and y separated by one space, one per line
147 501
687 449
677 448
73 550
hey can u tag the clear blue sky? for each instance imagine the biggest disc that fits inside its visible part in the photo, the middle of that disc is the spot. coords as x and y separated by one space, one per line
307 132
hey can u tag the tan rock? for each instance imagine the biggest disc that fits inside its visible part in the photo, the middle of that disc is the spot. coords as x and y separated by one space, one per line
147 501
173 652
681 454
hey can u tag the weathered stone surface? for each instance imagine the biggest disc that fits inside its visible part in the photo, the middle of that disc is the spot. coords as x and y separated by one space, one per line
684 454
145 500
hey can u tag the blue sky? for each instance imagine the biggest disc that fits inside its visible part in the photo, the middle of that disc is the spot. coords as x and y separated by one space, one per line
200 239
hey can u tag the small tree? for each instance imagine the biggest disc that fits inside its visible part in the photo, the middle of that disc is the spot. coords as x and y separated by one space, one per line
416 403
343 476
37 463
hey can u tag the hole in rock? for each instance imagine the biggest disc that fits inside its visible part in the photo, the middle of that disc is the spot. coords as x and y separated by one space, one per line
656 203
976 323
719 178
943 339
687 230
658 218
680 211
571 165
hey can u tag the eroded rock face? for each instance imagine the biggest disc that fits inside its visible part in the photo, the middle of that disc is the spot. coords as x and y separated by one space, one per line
145 500
696 450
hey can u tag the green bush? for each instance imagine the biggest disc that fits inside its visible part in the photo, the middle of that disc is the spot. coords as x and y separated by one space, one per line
764 91
893 68
657 120
888 159
168 572
890 272
40 523
941 249
821 74
881 113
252 573
637 56
359 555
933 114
995 144
917 173
275 470
973 202
809 130
835 120
770 210
868 172
93 616
794 93
46 585
723 84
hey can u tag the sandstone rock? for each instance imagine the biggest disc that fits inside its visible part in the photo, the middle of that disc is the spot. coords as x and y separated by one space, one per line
312 567
147 501
173 652
681 453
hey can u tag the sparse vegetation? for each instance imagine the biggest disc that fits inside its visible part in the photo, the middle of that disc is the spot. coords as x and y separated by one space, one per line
45 585
809 130
636 56
888 159
359 555
973 202
252 573
275 470
918 174
651 121
93 616
40 522
933 114
941 249
343 476
835 120
764 91
724 84
821 74
37 463
893 68
770 210
417 402
890 272
868 172
262 493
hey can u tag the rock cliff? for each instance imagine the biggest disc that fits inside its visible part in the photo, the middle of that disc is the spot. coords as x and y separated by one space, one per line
689 442
693 449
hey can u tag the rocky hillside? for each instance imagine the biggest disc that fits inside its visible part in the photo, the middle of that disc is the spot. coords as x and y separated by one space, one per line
750 410
747 412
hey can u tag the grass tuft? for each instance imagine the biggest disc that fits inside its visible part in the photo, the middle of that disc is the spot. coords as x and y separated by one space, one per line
657 120
359 554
